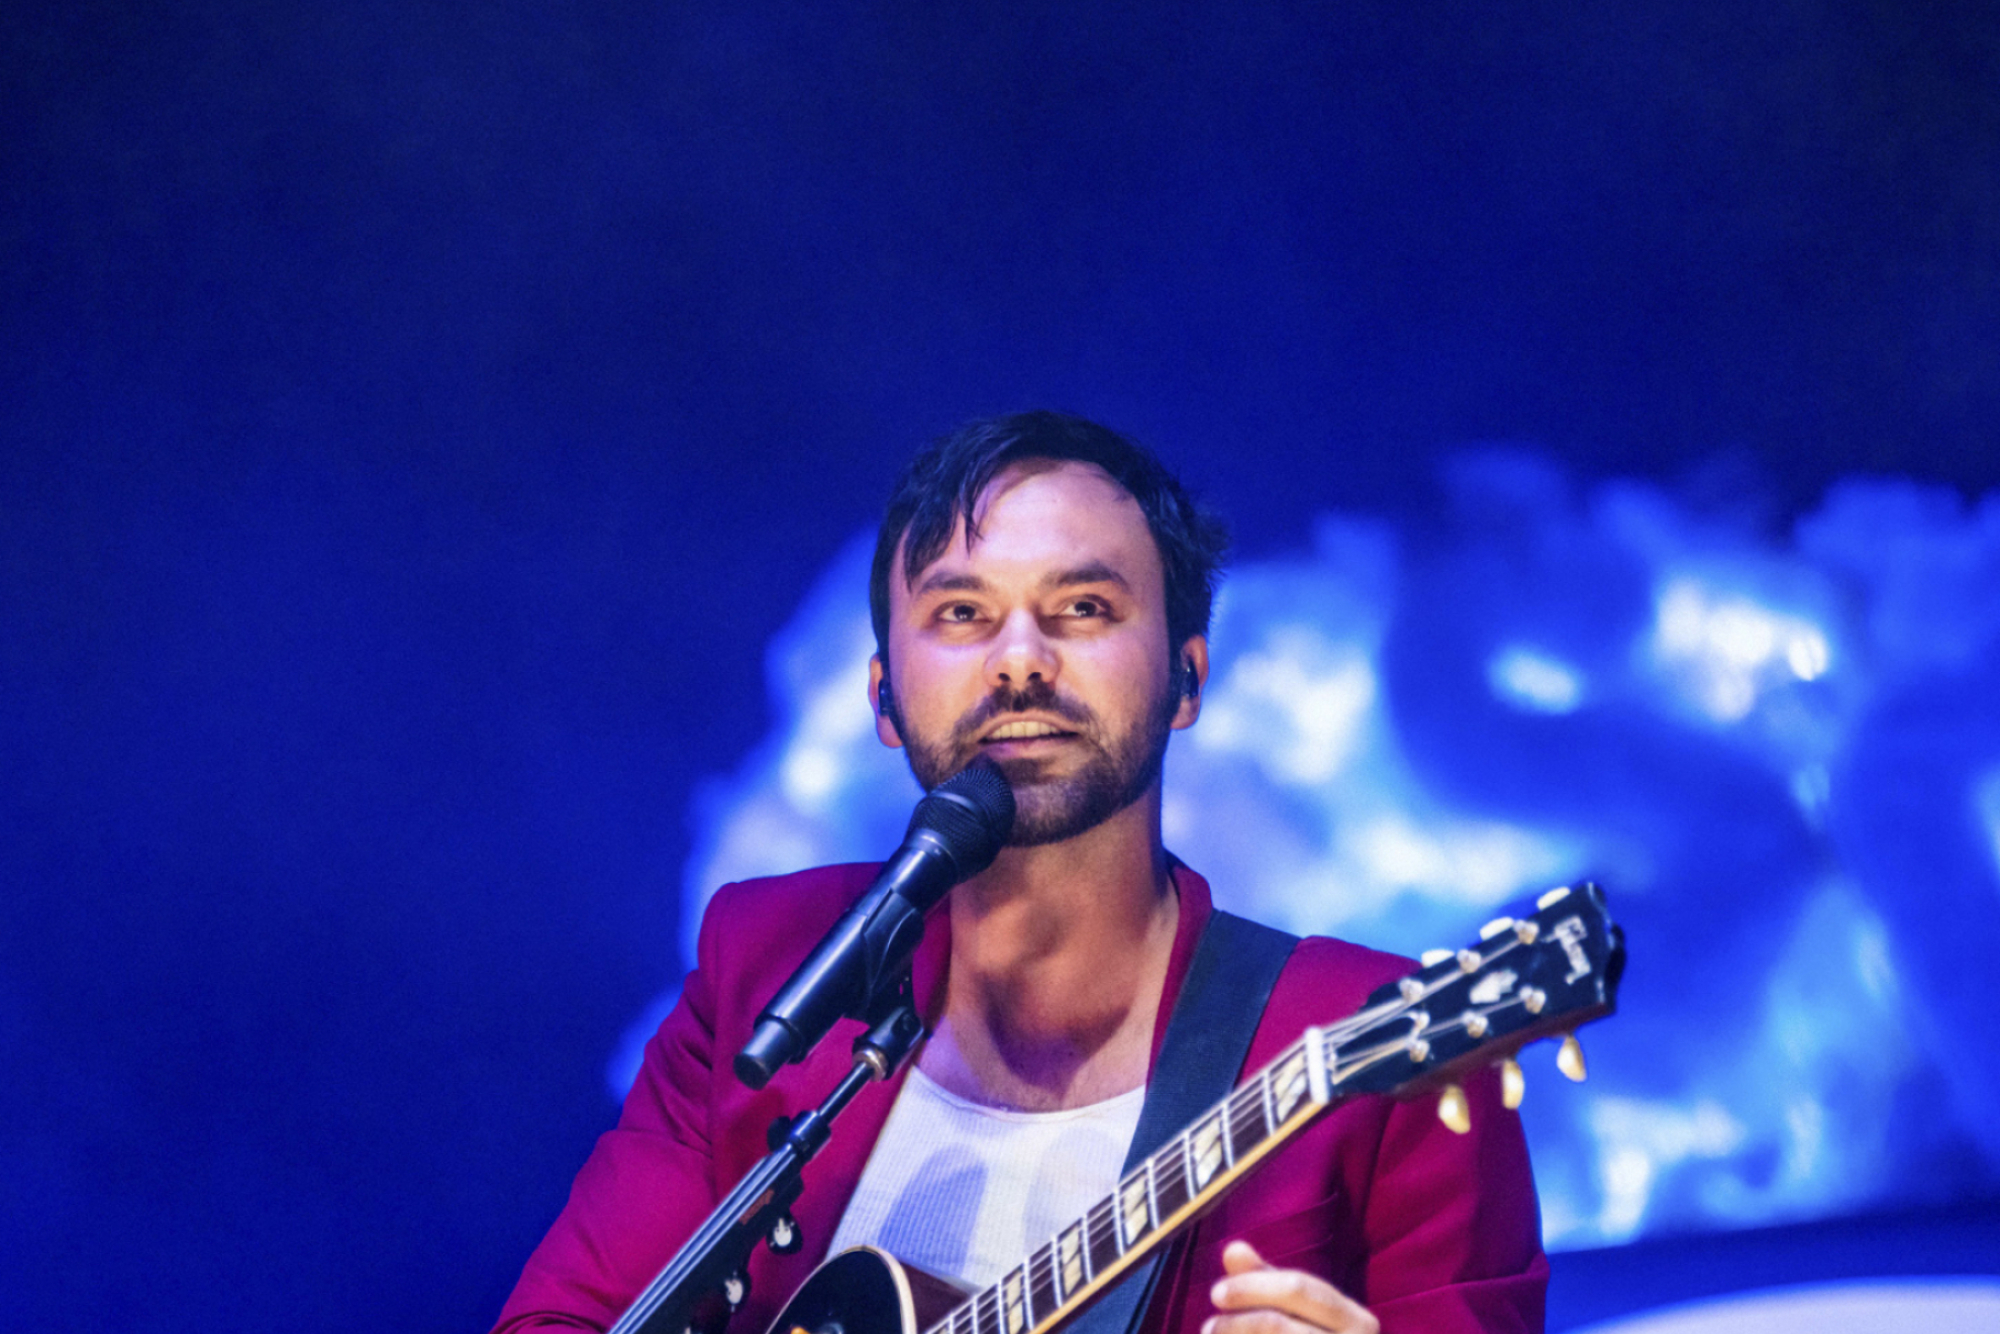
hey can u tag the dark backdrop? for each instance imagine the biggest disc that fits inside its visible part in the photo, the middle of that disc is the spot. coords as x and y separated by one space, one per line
415 420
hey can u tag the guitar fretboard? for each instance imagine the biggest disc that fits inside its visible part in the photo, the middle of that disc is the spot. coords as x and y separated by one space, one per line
1152 1202
1195 1167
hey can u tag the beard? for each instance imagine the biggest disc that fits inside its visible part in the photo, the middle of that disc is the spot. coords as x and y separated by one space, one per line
1055 798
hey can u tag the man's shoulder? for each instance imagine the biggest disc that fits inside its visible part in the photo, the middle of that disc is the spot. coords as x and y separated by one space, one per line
1331 957
818 888
759 921
1327 979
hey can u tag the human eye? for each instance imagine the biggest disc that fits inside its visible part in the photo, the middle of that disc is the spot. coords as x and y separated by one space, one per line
1086 608
958 613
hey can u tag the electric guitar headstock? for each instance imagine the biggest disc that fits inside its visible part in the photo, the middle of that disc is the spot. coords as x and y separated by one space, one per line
1523 979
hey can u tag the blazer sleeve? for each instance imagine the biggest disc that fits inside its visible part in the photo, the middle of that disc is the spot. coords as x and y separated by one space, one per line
1434 1232
646 1185
1451 1226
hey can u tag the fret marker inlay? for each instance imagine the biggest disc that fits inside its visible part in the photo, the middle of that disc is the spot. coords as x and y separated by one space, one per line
1070 1247
1206 1143
1134 1212
1291 1077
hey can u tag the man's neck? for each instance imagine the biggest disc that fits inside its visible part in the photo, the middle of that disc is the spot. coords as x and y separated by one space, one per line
1058 957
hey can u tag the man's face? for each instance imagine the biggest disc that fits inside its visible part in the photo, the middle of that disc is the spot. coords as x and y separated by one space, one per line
1044 646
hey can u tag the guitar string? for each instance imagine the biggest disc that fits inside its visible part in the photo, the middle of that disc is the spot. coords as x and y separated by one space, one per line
1102 1221
1042 1267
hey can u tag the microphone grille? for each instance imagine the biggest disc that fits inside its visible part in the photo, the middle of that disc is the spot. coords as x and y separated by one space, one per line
972 812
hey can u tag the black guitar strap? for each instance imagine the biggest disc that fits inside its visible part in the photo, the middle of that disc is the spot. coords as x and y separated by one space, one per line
1236 963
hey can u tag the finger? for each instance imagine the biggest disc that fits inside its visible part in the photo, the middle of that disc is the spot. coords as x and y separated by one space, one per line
1259 1322
1291 1292
1240 1257
1277 1322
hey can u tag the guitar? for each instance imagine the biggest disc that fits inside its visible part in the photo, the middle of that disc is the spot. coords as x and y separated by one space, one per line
1522 980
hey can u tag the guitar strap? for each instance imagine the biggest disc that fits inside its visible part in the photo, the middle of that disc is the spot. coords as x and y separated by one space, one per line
1236 963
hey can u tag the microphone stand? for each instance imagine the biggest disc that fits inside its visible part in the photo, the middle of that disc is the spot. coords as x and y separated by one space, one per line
715 1261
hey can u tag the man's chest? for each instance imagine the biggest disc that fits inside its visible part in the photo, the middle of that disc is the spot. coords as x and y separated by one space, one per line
964 1191
983 1058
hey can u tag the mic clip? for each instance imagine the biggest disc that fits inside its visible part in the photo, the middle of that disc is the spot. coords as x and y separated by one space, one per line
893 1029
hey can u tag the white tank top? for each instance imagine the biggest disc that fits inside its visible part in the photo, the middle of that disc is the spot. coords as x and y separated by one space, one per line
966 1191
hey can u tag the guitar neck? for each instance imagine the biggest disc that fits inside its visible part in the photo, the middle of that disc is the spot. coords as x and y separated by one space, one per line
1518 983
1159 1197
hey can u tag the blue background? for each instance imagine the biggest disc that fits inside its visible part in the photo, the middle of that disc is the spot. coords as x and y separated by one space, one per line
417 422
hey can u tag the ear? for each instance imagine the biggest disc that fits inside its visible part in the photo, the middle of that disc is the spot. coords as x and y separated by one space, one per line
884 728
1194 673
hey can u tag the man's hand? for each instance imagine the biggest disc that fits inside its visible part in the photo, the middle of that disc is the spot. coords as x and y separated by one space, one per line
1257 1299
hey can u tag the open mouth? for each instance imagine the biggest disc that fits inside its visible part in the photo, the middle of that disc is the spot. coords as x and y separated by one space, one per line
1024 730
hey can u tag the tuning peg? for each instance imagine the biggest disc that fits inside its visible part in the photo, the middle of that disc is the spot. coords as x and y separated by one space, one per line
1569 1058
1513 1085
1553 897
1495 927
1431 958
1453 1111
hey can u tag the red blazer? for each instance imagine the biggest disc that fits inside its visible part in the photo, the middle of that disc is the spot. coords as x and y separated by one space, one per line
1433 1231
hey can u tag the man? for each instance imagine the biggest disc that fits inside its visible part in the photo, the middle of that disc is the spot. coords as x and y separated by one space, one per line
1040 595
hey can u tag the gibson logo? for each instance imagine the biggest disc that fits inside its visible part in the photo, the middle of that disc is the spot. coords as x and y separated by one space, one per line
1570 932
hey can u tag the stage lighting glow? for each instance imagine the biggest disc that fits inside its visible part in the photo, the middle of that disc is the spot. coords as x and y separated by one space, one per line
1766 746
1986 800
1638 1140
1945 1305
1537 682
1296 705
1474 862
1725 650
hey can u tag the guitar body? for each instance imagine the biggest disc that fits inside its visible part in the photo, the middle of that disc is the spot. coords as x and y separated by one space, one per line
866 1291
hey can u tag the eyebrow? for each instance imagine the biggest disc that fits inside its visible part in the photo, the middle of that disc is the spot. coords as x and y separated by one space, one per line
1097 572
949 583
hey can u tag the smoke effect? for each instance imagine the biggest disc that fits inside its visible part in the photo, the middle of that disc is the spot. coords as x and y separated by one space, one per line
1780 755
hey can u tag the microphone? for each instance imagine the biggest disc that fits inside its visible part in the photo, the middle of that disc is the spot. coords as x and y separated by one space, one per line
954 834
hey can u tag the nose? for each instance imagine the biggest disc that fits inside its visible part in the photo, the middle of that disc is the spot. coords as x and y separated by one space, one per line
1021 654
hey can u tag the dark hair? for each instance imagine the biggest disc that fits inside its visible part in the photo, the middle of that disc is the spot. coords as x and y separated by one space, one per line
944 482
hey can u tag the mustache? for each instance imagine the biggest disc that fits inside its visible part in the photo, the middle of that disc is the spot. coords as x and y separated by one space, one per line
1038 697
